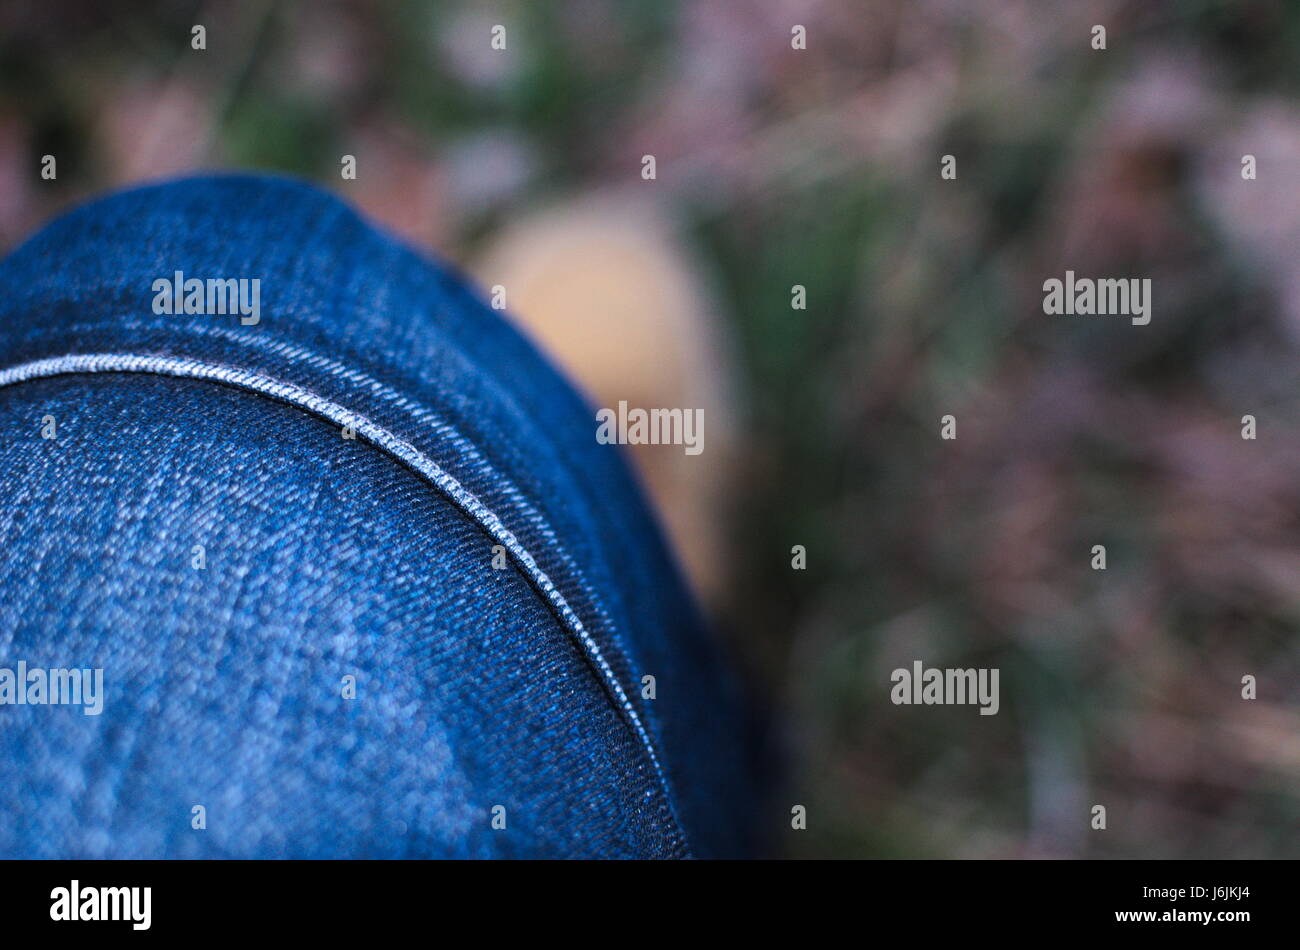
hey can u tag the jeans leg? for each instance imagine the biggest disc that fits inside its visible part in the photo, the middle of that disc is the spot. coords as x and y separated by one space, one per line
358 576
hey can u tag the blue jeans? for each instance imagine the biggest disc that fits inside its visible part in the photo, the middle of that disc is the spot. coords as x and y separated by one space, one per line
358 576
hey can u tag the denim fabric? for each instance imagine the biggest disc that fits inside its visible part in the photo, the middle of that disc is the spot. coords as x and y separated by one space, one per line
329 557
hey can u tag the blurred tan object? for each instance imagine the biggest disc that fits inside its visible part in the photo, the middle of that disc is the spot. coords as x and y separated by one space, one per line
604 286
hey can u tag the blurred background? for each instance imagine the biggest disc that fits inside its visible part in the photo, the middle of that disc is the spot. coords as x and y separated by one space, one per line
820 167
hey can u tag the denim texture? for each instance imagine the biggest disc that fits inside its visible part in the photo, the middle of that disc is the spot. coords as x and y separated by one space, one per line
328 557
